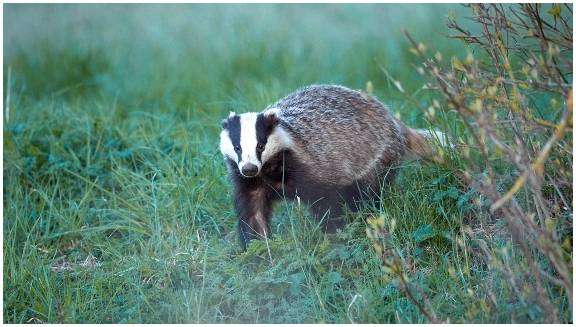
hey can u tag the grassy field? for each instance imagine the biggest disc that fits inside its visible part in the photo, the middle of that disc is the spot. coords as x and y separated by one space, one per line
116 203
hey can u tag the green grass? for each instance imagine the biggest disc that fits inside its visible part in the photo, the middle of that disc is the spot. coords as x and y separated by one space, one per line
116 202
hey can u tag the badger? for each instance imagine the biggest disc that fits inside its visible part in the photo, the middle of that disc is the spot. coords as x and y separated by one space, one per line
326 145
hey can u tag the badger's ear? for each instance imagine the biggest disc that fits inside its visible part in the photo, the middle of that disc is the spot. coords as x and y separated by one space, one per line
271 117
225 121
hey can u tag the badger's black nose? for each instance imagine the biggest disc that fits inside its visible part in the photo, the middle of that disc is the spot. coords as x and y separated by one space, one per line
249 170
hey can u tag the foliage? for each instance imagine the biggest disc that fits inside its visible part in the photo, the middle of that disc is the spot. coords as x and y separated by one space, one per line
509 149
117 207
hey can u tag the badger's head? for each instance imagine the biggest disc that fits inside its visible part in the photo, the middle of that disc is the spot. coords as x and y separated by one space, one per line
251 139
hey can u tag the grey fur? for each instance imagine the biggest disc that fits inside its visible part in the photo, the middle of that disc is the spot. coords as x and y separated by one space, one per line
341 135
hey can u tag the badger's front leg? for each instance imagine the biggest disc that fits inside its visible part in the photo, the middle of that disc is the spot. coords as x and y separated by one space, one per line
253 203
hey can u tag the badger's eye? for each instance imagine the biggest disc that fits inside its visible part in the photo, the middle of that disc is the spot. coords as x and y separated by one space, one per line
260 147
236 148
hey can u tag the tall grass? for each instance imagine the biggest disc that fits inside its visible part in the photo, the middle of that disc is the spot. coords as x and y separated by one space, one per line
116 203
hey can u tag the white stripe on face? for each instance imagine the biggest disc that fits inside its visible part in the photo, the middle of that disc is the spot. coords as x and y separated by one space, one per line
248 140
278 140
226 146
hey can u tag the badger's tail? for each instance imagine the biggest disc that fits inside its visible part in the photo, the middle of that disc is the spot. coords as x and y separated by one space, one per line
423 143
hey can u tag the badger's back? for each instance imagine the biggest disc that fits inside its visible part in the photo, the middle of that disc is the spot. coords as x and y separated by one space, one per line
341 135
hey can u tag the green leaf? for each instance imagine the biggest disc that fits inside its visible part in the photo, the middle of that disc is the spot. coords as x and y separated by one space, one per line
295 281
423 233
453 193
334 277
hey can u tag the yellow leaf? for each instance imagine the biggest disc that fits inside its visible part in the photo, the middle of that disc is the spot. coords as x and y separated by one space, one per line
476 105
555 10
469 58
369 87
457 64
550 224
492 90
567 244
438 56
421 47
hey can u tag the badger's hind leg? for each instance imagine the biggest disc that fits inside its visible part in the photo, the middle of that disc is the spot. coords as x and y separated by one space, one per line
330 213
327 205
330 203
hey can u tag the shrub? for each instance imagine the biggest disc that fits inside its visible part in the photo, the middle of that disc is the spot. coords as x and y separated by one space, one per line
509 104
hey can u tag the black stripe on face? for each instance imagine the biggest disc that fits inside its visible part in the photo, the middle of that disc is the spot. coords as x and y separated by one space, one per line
264 126
233 126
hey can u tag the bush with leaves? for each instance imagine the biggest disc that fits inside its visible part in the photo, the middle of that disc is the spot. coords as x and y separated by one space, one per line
507 107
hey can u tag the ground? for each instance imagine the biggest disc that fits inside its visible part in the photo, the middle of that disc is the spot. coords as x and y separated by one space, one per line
116 203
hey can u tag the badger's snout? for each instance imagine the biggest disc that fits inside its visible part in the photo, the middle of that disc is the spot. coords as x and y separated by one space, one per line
249 170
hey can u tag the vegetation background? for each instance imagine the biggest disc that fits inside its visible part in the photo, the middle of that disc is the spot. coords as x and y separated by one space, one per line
116 202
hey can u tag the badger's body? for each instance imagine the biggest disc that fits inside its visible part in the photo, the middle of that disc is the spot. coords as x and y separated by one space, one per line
328 145
340 134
